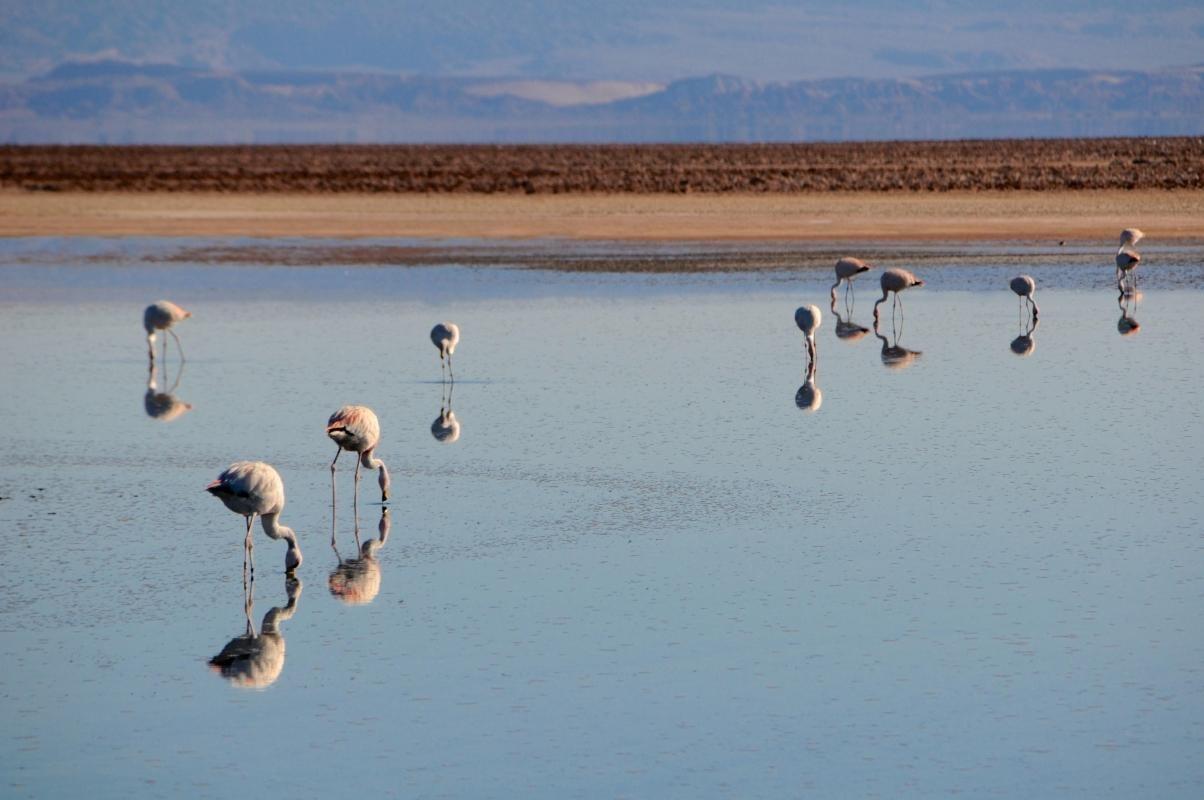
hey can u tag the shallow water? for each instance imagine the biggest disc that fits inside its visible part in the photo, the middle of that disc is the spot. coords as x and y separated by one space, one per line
641 570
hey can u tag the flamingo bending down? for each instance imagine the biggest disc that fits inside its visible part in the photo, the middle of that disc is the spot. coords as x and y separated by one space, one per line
808 320
161 316
250 488
1025 287
446 335
848 268
895 280
357 429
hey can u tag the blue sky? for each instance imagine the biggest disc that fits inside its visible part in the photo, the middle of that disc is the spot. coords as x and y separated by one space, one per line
623 39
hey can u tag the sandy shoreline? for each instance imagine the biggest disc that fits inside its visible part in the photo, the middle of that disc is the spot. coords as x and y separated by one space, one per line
1085 216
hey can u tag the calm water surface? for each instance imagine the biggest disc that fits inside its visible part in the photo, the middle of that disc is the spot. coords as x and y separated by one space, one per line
641 570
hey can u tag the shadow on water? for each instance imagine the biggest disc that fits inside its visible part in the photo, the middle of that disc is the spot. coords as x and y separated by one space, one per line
255 660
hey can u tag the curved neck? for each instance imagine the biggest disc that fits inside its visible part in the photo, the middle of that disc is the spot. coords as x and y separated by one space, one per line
274 530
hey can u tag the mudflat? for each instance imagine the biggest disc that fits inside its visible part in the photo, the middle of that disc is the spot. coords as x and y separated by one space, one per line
1045 216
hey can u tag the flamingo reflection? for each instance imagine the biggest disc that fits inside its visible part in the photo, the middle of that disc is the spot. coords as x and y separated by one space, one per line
895 356
163 406
356 581
446 428
809 397
1127 302
255 660
1025 344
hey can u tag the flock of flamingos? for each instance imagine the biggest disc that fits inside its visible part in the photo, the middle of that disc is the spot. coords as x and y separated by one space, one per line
254 489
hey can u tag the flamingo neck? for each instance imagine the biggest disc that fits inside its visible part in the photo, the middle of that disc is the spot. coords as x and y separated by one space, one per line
372 462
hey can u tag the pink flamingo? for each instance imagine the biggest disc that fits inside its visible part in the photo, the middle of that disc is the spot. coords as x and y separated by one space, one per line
161 316
895 280
357 429
254 488
847 268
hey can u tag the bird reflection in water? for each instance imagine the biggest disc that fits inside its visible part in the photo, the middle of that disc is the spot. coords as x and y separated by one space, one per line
846 329
255 660
1025 344
446 428
808 397
895 356
356 581
1127 301
163 406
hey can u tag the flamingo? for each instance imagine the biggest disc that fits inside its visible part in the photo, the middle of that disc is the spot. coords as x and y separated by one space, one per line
446 335
1025 287
848 268
1127 257
254 488
895 280
808 320
255 660
161 316
357 429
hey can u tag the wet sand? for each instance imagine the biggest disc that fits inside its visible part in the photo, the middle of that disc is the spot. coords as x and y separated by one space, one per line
1047 217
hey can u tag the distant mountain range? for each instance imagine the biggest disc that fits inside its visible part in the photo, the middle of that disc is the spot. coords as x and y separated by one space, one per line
123 102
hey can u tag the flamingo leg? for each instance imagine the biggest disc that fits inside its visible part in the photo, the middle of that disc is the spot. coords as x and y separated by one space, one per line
450 374
178 347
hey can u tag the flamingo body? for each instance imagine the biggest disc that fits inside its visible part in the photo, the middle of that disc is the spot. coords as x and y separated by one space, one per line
251 488
1024 286
445 336
808 319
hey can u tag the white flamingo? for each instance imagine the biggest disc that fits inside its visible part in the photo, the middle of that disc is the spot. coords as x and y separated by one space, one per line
357 429
1025 288
1127 257
848 268
445 336
895 280
254 488
808 319
161 316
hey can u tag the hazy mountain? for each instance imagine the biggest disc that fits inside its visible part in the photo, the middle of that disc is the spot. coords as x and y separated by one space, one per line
117 101
632 40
